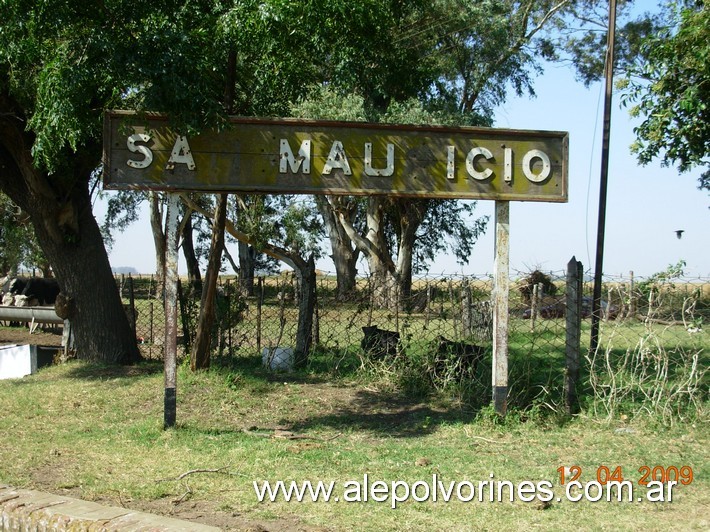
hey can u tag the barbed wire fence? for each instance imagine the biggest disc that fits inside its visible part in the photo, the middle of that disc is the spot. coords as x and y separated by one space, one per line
642 319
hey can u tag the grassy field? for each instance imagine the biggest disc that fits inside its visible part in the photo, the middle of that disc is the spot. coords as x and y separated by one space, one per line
96 433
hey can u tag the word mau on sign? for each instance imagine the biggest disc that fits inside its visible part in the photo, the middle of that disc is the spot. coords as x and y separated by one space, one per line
285 156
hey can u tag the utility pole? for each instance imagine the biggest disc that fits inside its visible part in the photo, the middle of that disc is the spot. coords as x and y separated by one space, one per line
601 224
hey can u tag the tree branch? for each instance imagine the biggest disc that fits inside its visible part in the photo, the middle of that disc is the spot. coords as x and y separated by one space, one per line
276 252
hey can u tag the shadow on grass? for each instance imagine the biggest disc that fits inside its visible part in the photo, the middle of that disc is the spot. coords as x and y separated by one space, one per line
99 371
388 414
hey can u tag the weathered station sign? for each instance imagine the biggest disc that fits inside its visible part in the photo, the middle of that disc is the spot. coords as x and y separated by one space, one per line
313 157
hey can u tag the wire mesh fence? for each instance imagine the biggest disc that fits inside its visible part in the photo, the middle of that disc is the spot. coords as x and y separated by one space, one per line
638 316
453 307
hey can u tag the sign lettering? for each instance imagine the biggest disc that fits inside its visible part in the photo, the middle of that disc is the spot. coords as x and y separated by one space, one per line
289 156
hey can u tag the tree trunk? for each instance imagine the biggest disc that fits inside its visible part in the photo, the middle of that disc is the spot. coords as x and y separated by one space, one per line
156 225
200 356
247 267
306 274
71 240
343 255
188 250
411 215
383 284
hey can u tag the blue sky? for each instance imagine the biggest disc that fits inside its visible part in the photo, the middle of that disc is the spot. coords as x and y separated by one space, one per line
645 205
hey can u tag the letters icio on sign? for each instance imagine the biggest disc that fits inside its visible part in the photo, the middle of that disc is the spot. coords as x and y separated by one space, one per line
289 156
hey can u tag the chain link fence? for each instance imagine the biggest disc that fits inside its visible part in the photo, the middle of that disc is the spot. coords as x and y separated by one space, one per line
638 316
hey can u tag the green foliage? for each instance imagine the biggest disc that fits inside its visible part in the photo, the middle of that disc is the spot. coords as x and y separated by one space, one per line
655 281
229 312
670 90
18 245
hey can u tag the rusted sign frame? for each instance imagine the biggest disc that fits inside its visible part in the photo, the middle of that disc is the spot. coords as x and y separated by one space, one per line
285 156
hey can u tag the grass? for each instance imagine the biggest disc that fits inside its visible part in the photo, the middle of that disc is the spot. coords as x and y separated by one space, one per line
96 432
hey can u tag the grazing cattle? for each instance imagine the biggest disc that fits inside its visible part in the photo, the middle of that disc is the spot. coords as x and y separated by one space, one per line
379 344
455 360
14 286
25 301
44 290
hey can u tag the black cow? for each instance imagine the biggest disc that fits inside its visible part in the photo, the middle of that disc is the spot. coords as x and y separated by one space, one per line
44 290
15 286
455 360
379 344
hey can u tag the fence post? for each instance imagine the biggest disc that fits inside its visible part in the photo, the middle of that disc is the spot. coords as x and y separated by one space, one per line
371 288
150 310
632 297
259 302
229 316
396 306
131 304
534 305
573 334
467 310
452 298
316 319
428 305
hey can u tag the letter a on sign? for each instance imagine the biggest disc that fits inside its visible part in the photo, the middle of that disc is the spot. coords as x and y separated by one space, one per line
181 154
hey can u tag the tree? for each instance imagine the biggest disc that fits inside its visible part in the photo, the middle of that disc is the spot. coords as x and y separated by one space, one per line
662 61
669 88
444 62
18 246
201 349
63 64
286 229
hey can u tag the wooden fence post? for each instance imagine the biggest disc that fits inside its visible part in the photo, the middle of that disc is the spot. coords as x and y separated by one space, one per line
427 309
150 310
131 304
316 319
371 288
467 310
535 305
259 303
573 334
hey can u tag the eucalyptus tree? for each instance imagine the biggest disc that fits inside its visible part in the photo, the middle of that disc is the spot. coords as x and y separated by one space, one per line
661 63
460 57
287 229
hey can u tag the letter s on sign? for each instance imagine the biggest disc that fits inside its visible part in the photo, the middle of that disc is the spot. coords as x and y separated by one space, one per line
142 149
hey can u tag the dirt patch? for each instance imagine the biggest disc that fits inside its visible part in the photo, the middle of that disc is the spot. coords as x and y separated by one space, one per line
206 513
21 335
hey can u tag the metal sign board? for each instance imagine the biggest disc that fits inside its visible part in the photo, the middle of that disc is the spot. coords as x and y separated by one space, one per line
339 158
